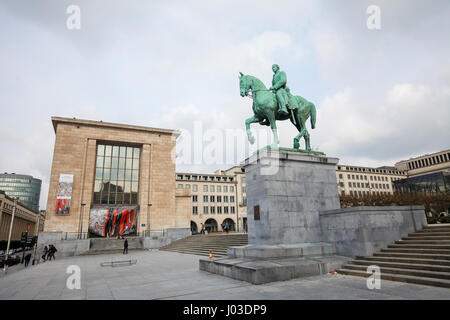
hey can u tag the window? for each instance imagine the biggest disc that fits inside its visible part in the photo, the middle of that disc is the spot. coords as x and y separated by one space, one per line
116 177
188 186
231 198
180 186
358 185
213 210
194 210
194 188
232 189
219 188
211 199
350 184
219 210
219 198
205 198
353 176
211 188
225 209
225 188
194 199
205 188
225 198
340 175
205 209
232 210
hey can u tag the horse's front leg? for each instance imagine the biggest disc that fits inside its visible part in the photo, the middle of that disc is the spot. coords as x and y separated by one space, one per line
247 126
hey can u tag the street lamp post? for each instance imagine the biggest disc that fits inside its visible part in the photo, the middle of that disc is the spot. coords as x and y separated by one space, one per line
5 267
148 217
82 218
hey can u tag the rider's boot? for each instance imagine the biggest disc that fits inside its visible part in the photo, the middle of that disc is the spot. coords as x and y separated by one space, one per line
283 110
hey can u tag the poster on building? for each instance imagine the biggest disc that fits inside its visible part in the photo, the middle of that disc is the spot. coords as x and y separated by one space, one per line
113 221
64 194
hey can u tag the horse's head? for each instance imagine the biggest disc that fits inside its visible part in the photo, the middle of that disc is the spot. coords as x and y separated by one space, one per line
244 84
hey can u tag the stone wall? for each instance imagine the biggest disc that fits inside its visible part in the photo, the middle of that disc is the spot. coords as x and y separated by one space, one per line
361 231
68 246
290 188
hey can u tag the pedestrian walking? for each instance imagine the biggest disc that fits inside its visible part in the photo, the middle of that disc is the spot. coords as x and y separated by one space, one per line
27 259
44 253
51 252
125 246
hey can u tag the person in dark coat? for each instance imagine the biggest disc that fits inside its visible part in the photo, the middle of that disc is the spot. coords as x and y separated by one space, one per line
44 254
125 246
27 259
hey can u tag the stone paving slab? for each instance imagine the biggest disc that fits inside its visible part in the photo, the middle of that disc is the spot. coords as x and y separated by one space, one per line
170 275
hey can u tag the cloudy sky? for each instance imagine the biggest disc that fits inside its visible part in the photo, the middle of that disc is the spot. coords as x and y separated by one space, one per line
381 95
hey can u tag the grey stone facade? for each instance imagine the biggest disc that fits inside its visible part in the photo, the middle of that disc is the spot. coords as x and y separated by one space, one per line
290 189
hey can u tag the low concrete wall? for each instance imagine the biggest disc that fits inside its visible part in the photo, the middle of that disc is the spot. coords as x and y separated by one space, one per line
66 248
75 247
158 239
361 231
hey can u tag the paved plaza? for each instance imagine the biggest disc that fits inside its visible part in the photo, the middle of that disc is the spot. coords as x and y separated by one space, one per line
169 275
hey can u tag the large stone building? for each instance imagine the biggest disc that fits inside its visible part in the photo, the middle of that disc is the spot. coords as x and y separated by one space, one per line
428 173
361 181
24 187
217 199
100 167
23 218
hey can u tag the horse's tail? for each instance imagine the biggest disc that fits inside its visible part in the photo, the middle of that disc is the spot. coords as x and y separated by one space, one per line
313 116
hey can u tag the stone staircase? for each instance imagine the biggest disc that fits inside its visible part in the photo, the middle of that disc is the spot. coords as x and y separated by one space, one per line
422 257
201 244
105 245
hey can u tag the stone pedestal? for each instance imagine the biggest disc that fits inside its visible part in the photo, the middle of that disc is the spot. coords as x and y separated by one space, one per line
286 189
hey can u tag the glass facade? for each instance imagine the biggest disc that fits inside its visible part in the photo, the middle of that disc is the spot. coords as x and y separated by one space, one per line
116 174
24 187
437 183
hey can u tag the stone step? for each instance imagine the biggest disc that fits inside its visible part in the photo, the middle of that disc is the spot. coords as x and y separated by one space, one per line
437 226
423 241
399 277
428 234
211 247
427 238
407 260
402 265
420 246
432 230
412 255
408 272
98 252
198 253
416 250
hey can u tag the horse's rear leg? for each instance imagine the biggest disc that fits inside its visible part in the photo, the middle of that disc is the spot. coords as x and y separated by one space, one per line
273 126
